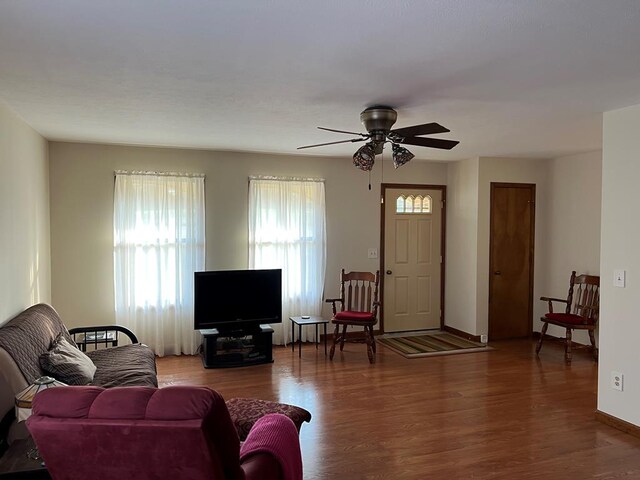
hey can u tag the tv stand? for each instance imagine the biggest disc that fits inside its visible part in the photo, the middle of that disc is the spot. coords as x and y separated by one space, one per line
236 348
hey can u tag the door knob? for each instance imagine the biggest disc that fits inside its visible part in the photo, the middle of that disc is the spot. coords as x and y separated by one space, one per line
389 272
497 272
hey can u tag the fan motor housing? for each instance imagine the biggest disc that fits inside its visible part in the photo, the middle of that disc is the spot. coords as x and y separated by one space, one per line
378 119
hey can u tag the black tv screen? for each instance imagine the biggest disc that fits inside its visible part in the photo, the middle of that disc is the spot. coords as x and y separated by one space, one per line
237 299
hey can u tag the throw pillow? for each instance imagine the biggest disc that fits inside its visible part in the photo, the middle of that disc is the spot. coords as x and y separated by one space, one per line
66 363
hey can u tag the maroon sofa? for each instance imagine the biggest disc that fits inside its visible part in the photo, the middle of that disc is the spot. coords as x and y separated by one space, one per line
150 433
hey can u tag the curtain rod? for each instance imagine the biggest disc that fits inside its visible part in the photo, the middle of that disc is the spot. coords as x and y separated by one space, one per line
285 179
159 174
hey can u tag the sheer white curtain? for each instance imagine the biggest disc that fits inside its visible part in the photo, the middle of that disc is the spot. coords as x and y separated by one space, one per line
287 230
159 242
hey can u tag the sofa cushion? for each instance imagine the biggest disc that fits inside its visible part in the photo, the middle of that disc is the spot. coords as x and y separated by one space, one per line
67 363
123 366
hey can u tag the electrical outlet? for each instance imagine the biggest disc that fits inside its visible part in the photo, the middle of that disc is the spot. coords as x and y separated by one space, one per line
372 253
483 339
617 381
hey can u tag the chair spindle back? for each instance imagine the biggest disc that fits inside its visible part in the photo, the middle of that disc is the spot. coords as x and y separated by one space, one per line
584 296
361 290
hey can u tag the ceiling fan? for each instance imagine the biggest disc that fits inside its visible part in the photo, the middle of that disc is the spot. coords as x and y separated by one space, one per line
378 121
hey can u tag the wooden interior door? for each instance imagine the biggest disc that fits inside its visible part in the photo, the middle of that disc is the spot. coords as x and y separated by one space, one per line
511 260
413 262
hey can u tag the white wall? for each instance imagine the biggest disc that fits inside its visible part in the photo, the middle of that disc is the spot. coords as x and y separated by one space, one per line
82 213
573 222
620 248
24 216
82 198
461 248
567 232
507 170
468 224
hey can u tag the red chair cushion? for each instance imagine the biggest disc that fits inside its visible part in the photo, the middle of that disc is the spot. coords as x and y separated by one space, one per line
355 316
569 318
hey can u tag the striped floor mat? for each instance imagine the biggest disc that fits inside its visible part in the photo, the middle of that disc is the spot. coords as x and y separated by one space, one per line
431 344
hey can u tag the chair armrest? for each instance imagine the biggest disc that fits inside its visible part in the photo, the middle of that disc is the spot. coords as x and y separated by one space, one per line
549 301
104 328
333 302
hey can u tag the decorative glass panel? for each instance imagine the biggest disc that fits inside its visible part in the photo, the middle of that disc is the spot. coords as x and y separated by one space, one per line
411 204
408 206
426 204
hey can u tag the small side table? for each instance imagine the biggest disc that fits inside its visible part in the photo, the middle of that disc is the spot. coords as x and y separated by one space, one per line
15 463
312 320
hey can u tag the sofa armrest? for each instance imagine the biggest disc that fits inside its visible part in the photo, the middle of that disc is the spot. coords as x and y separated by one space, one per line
261 466
276 435
104 329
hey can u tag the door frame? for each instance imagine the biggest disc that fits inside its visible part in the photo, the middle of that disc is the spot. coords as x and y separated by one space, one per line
413 186
532 229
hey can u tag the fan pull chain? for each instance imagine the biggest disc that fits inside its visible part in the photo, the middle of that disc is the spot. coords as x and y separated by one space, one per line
381 176
369 179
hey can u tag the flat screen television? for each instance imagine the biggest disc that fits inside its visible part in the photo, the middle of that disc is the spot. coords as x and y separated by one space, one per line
236 300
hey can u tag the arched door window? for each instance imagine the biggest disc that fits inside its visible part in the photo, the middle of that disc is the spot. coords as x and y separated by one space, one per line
413 204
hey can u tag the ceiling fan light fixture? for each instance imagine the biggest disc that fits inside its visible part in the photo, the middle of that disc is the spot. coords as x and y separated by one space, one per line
364 157
400 155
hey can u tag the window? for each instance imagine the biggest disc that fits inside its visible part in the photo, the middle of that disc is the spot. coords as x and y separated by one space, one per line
159 242
413 204
287 230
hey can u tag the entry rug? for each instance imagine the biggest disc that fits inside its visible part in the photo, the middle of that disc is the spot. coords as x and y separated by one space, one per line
431 344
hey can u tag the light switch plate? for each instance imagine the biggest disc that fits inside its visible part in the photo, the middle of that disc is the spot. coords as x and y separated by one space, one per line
619 277
372 253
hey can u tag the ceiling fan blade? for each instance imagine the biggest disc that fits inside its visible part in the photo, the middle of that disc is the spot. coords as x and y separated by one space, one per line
425 129
343 131
333 143
430 142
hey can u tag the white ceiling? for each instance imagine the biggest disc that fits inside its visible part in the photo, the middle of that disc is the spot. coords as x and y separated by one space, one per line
508 77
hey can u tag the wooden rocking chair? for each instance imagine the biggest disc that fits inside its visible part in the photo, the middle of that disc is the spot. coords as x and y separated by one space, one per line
581 312
358 306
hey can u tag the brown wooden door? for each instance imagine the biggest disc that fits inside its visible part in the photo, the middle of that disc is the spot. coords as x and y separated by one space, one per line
511 260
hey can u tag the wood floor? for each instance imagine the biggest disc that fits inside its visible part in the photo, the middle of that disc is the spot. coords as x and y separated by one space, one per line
503 414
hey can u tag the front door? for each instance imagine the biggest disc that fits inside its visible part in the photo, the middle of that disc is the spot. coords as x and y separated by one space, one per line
511 260
412 255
